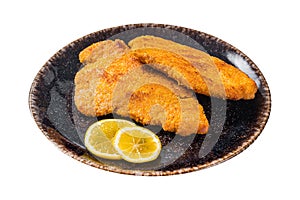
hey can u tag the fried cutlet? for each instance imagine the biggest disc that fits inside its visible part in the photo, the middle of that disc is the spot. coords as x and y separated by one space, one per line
129 88
175 114
96 58
103 50
210 76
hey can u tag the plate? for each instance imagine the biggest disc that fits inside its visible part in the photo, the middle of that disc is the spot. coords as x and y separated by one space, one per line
234 125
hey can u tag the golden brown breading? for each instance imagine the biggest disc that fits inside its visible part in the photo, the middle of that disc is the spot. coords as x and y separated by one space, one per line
96 58
237 84
126 77
107 49
118 69
210 75
156 104
109 80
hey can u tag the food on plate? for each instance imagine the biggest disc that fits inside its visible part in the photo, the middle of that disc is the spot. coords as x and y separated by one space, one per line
99 135
103 50
96 58
127 75
156 104
117 139
210 76
137 144
154 82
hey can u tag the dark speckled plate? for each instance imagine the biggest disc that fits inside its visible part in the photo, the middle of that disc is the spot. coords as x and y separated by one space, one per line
234 125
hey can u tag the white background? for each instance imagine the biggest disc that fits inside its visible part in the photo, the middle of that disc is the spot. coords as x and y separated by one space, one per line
34 168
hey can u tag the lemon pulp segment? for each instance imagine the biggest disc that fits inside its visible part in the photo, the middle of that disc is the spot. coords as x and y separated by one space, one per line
137 144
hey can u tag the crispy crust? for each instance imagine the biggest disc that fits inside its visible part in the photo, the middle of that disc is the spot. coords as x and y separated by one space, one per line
209 75
125 79
156 104
102 50
96 58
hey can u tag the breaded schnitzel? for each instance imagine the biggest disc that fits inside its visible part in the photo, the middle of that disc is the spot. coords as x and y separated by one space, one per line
103 50
107 84
126 86
173 113
210 76
96 58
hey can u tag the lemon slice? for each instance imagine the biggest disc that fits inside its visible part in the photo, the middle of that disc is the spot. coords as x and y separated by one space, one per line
137 144
99 135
